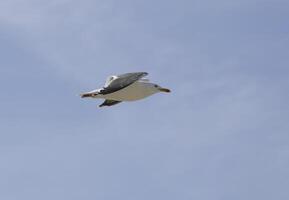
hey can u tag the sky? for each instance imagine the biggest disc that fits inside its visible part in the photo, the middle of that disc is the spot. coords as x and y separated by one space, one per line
222 133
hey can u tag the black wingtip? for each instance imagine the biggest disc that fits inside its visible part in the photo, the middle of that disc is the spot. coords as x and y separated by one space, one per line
140 73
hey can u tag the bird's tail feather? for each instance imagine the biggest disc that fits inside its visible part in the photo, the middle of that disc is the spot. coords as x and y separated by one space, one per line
85 95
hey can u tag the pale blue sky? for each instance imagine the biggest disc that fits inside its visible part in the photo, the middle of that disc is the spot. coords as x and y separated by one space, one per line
223 132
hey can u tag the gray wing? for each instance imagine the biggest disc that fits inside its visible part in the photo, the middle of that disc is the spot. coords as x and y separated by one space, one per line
122 81
108 102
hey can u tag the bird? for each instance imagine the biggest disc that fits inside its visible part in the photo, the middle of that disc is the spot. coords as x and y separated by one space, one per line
124 88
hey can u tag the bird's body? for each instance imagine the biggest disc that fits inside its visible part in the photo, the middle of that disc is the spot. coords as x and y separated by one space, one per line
136 91
125 87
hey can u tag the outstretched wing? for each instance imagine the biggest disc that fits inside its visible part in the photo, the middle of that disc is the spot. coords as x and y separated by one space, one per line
109 80
108 102
122 81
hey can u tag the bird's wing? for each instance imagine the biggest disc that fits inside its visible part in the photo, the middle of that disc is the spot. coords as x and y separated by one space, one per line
144 80
122 81
109 80
108 102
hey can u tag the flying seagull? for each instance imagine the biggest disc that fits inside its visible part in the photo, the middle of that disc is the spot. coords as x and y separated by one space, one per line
125 87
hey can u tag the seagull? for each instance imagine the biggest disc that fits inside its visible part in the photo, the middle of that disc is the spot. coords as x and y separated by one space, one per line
125 87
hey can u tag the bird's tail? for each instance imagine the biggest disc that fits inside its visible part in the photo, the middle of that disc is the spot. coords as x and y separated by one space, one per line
93 93
85 95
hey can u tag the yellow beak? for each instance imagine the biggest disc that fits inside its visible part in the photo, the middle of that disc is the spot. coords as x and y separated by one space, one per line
164 90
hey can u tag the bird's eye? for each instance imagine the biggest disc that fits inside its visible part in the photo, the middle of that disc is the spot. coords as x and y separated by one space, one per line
156 86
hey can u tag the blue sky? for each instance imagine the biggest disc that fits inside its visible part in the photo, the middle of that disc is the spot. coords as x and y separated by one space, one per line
221 134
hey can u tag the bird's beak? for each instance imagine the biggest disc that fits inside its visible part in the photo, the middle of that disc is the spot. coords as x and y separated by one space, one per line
164 90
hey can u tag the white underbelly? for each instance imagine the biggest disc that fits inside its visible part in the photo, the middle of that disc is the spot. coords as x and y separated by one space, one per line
135 91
